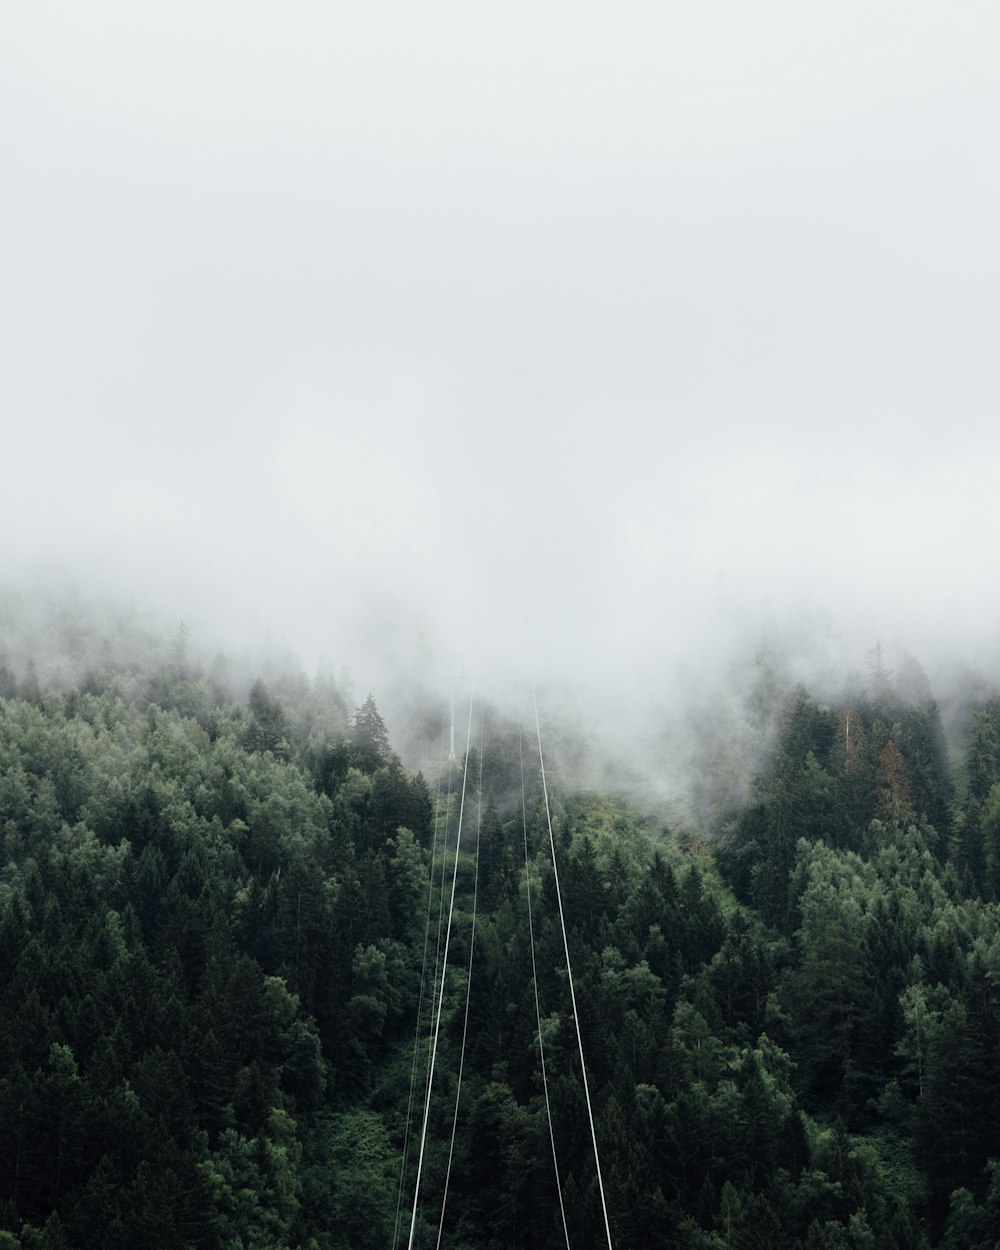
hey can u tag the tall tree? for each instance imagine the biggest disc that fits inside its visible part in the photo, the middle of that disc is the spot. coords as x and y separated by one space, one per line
370 736
268 723
895 807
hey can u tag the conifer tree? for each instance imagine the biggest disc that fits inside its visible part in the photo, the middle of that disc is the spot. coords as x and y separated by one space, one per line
370 736
894 804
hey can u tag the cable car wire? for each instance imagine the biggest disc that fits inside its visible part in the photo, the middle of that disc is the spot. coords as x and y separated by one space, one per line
534 984
569 971
468 983
420 999
440 1001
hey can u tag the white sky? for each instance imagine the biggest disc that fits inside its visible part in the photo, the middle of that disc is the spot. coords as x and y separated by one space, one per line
358 322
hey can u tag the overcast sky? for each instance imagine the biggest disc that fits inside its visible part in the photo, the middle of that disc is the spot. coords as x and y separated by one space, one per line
357 323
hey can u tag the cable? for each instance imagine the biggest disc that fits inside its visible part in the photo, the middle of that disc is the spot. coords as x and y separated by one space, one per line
534 983
420 998
440 924
569 972
468 983
444 973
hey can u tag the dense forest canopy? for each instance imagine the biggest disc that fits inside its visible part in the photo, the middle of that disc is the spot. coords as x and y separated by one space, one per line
220 912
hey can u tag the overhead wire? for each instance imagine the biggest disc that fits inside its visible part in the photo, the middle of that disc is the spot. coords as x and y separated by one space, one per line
534 984
468 983
444 973
569 972
441 961
420 998
443 895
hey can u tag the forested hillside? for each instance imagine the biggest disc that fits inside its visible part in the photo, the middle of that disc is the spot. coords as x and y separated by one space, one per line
220 919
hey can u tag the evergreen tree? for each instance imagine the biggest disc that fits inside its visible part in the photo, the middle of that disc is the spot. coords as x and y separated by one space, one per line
370 737
268 723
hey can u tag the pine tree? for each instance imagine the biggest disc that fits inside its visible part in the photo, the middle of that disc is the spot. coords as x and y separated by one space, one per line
268 723
894 803
371 738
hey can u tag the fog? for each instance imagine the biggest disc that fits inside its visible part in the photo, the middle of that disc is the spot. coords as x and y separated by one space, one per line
606 343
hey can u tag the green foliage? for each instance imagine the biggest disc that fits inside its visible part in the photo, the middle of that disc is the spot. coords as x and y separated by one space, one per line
218 930
370 737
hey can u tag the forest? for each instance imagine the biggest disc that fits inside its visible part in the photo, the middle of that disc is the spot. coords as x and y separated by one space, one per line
221 919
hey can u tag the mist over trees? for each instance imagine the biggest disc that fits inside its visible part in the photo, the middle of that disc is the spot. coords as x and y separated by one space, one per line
218 913
650 351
